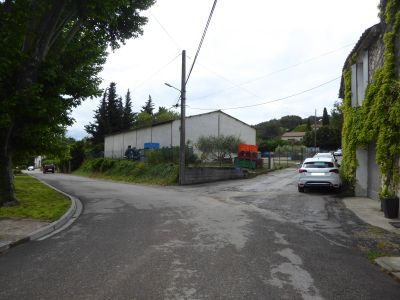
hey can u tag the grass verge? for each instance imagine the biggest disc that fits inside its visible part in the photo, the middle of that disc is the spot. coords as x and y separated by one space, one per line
373 254
130 171
36 201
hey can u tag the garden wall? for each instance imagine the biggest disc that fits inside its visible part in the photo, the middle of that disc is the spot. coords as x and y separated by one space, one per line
203 175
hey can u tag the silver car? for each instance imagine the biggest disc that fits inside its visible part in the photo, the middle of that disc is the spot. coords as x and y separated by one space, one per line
319 172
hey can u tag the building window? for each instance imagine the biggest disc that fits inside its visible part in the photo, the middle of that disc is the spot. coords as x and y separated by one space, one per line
359 80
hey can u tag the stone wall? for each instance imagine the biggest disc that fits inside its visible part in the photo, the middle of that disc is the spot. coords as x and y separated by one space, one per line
203 175
375 58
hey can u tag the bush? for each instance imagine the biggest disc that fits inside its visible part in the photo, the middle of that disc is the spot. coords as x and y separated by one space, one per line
131 171
106 164
17 171
154 156
92 165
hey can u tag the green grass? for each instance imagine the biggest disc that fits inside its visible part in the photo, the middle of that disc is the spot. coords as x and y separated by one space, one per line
36 201
374 254
130 171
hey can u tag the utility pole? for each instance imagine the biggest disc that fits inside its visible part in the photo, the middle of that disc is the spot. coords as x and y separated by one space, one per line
183 110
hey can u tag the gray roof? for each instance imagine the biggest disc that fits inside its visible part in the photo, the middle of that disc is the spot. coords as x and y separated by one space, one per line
294 134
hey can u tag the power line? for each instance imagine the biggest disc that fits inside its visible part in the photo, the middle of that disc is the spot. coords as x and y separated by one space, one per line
271 101
240 85
228 80
156 73
202 39
165 30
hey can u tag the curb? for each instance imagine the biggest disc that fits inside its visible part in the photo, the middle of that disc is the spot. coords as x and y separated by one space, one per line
69 217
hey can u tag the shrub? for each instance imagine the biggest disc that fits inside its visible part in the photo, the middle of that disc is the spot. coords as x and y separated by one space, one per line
131 171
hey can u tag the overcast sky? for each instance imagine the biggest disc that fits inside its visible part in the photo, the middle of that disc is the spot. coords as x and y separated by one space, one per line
255 53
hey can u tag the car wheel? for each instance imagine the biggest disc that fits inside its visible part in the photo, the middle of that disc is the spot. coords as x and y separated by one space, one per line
301 189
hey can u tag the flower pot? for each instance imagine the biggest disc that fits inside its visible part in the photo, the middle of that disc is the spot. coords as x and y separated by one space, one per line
390 207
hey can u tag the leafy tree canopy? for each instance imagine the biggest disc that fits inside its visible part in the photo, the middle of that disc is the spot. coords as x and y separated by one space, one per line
165 114
51 55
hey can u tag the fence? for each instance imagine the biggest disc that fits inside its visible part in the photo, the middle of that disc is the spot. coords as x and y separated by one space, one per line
282 157
165 154
291 156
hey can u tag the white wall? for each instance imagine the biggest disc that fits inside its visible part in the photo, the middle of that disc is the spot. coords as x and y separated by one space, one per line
361 186
162 134
231 126
196 126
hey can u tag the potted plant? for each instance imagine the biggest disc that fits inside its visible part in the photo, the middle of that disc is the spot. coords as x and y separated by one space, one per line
390 202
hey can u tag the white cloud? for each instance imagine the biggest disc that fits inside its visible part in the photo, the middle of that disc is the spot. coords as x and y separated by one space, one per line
244 42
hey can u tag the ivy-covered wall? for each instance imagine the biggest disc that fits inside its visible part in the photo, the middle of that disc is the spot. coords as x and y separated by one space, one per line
377 120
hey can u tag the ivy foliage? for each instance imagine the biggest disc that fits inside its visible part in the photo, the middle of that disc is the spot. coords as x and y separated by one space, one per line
378 119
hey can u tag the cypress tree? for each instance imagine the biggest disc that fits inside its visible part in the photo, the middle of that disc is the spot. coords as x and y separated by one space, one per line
128 116
113 108
325 118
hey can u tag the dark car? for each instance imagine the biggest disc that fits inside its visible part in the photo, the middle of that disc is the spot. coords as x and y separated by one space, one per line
49 168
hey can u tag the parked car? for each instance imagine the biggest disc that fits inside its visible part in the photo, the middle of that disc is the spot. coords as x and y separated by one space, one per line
31 168
319 172
49 168
326 154
338 152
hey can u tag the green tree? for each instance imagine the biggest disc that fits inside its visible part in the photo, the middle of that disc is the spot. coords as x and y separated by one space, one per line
149 106
111 116
300 128
327 138
325 118
269 129
77 153
308 127
114 109
218 147
144 119
271 144
100 127
51 55
290 122
336 120
128 116
164 115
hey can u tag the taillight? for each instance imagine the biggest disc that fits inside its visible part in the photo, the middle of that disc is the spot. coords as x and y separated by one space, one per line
334 171
302 171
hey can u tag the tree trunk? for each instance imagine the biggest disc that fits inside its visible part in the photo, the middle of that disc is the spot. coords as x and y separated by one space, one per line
7 188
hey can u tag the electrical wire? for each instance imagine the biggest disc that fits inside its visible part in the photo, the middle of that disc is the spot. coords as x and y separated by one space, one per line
166 32
271 101
240 85
156 73
201 40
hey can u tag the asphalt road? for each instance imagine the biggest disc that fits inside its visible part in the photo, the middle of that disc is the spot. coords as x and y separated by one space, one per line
246 239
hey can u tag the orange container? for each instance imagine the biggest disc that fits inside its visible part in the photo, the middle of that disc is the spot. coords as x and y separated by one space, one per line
247 148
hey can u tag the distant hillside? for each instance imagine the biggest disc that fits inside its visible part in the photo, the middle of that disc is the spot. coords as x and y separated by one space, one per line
274 128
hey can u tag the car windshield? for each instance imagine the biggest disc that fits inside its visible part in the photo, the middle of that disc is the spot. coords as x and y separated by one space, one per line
318 164
324 155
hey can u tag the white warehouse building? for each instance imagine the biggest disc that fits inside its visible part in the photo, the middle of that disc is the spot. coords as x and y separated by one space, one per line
167 134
